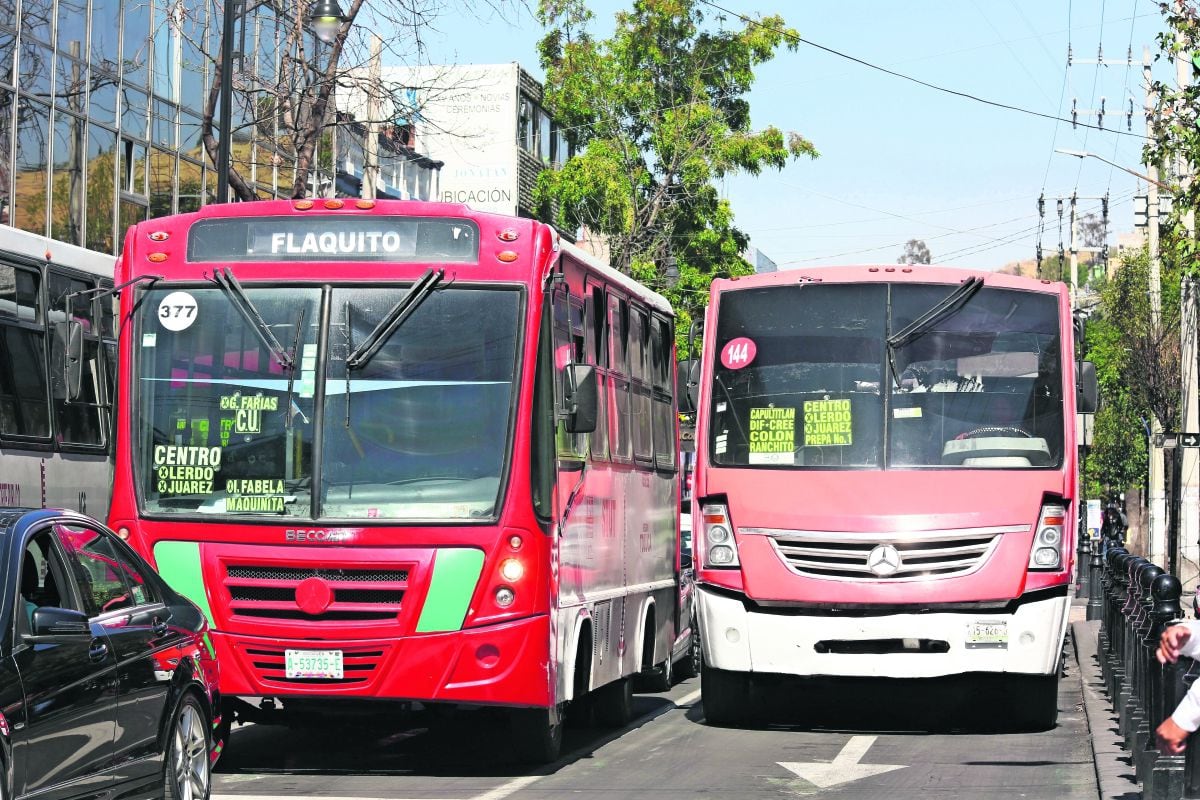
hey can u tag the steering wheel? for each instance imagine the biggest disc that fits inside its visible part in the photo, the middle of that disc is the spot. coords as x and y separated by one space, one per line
995 430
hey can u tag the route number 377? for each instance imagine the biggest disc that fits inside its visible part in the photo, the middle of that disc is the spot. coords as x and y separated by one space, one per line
177 311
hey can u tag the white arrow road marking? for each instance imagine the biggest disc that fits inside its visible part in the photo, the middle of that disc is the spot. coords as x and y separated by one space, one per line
844 767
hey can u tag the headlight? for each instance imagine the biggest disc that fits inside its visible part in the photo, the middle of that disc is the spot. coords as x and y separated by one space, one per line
715 537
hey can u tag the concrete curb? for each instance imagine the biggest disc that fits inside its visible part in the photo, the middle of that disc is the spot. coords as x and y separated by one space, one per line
1114 768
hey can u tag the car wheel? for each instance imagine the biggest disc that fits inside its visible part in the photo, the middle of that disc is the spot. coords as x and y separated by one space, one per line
187 769
689 665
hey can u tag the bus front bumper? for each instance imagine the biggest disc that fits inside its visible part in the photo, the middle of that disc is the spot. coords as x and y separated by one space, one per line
739 638
505 664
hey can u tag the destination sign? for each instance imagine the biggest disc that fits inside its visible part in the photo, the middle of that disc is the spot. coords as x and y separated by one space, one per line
334 238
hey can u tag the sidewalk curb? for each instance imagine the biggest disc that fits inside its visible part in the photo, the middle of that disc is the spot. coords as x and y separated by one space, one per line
1114 770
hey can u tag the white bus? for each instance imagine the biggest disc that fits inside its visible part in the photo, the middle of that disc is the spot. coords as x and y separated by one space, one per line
54 451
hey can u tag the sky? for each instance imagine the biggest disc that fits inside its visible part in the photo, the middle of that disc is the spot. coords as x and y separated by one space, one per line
902 161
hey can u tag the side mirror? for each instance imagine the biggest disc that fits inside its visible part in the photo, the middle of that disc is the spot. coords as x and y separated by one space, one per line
693 384
683 378
1087 389
70 343
583 398
52 622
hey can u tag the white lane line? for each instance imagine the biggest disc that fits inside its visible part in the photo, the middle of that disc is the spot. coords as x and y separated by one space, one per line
515 785
499 793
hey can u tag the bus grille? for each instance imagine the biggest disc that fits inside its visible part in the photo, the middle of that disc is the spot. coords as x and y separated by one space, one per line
268 592
946 554
358 666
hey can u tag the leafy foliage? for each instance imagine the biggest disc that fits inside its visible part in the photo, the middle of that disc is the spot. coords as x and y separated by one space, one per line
1137 365
915 252
656 115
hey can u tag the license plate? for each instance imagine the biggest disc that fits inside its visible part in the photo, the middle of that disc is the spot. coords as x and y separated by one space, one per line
987 633
313 663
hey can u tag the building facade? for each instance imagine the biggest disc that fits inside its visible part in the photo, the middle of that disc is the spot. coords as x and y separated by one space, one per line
101 105
485 122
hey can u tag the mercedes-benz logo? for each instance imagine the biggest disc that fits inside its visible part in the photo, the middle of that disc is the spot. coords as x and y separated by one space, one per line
884 560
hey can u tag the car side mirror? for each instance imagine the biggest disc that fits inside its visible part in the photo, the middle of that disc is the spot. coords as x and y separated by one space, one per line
1087 389
583 398
55 623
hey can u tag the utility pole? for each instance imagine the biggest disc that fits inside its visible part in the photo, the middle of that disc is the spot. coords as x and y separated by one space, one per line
370 179
1188 460
1157 540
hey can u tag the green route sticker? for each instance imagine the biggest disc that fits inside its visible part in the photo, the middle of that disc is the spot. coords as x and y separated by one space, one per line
827 423
772 435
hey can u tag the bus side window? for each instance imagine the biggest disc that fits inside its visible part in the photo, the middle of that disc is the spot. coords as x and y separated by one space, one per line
594 329
663 355
568 349
639 371
77 422
620 441
24 388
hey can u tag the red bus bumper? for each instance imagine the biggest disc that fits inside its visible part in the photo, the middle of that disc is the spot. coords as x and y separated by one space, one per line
505 664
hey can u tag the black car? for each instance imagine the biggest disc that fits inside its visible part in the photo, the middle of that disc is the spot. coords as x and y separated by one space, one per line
108 684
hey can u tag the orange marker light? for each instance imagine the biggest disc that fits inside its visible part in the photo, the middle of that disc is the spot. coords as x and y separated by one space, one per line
507 256
303 205
364 203
335 203
157 258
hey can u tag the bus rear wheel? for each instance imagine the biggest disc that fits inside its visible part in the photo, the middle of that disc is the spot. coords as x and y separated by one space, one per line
537 734
613 704
726 697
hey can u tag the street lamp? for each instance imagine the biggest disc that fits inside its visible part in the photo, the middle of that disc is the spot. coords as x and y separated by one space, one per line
327 20
1134 173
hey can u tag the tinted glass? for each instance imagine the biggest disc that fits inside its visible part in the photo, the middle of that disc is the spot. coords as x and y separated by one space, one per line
224 428
422 430
108 578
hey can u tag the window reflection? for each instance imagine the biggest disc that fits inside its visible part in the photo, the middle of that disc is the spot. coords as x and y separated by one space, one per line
72 26
101 184
33 138
66 215
137 39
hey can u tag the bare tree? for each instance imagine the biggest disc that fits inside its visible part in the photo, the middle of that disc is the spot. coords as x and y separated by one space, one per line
915 252
285 82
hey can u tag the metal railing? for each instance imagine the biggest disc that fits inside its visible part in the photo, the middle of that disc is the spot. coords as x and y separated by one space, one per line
1135 602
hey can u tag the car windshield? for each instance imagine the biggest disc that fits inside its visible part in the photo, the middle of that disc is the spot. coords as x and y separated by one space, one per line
800 370
420 432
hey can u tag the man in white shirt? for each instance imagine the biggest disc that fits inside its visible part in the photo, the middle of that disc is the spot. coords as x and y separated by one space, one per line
1180 640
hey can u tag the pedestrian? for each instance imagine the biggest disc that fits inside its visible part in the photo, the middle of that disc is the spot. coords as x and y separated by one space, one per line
1179 640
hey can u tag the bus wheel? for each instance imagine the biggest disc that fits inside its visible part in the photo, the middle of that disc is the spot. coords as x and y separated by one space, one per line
613 706
1034 701
537 734
726 697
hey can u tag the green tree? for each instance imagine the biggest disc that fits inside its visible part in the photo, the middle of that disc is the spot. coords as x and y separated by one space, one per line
1137 365
1176 127
656 115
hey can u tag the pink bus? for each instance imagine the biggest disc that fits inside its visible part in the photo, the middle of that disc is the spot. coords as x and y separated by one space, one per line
885 481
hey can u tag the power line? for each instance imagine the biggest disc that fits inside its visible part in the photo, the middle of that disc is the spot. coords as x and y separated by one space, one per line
902 76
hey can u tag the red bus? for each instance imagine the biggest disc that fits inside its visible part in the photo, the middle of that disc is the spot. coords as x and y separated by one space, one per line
406 451
886 481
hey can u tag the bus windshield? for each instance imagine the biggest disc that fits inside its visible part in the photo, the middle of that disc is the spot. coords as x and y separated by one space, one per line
420 432
799 371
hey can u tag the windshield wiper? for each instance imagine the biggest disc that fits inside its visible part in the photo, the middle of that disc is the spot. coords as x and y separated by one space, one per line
420 290
948 306
237 297
292 373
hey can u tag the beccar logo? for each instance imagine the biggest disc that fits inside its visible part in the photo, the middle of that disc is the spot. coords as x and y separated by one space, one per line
315 535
